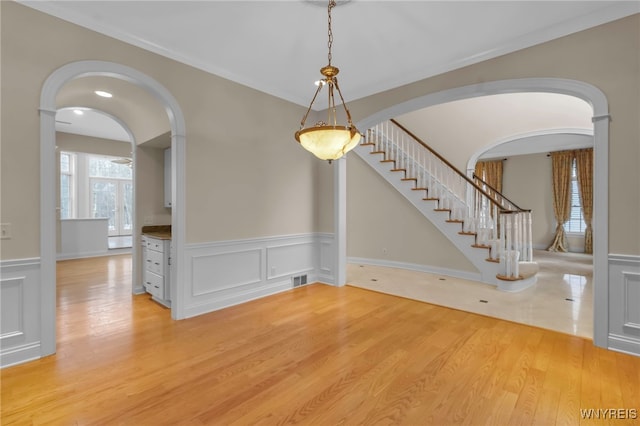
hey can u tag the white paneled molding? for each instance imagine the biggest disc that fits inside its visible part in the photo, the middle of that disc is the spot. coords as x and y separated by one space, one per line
20 333
226 273
624 303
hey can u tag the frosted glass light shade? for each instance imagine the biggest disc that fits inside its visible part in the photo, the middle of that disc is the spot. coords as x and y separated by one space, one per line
328 142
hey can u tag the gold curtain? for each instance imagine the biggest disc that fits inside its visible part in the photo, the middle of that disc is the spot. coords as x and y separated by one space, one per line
561 163
584 167
490 172
479 171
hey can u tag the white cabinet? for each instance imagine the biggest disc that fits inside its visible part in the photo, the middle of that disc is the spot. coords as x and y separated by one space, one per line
157 269
167 178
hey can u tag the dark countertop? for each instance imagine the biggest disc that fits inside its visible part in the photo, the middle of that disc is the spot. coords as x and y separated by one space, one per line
162 232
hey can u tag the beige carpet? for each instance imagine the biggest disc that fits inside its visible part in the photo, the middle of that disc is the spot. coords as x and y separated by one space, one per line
561 300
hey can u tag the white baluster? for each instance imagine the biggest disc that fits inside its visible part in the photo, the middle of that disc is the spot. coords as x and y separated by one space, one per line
530 258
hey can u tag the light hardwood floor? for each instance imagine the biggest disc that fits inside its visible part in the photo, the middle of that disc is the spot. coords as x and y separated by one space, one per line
315 355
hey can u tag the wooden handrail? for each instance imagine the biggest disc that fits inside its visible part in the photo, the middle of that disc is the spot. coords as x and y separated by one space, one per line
475 176
451 166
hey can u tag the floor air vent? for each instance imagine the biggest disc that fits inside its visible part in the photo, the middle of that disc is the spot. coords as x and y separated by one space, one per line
299 280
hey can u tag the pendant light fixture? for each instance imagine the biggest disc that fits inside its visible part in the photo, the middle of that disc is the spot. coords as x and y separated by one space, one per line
328 140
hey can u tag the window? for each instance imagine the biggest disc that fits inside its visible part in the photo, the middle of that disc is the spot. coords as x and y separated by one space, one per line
575 224
104 167
111 193
93 186
68 193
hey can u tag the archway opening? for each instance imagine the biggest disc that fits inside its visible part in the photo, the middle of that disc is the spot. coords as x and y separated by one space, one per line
49 102
599 116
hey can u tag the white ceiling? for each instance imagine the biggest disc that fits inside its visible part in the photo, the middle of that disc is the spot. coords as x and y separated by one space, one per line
91 123
278 47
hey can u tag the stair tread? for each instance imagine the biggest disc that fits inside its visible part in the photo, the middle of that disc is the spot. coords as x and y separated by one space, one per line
407 178
480 246
367 144
467 233
505 278
492 260
398 170
441 210
454 221
377 152
387 161
431 199
419 189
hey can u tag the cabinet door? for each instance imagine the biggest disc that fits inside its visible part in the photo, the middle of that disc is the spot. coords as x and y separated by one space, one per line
167 177
155 244
155 262
155 284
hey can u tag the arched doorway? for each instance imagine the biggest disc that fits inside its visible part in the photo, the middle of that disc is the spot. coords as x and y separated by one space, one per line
581 90
48 110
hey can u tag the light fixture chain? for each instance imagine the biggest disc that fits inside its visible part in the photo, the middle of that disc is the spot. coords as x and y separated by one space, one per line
328 141
332 4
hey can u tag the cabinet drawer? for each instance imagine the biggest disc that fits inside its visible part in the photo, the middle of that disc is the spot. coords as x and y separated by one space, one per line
154 244
155 262
154 284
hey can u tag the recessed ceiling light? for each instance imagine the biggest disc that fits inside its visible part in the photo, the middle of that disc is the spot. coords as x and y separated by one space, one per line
78 111
103 94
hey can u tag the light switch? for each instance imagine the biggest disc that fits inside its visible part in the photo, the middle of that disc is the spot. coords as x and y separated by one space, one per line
5 231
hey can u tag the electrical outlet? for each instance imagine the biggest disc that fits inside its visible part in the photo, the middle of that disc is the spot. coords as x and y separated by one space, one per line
5 231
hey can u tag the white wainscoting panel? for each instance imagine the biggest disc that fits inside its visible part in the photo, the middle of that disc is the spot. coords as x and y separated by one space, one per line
12 307
20 314
632 301
291 259
225 273
215 272
624 303
327 258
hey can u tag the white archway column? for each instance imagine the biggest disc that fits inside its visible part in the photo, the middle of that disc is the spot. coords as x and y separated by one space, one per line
178 221
48 216
340 221
601 229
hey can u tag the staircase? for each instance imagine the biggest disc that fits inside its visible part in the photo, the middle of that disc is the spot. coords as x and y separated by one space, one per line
490 230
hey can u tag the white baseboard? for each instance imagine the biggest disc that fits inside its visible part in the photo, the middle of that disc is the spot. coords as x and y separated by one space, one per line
83 255
20 354
624 344
466 275
546 246
236 298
